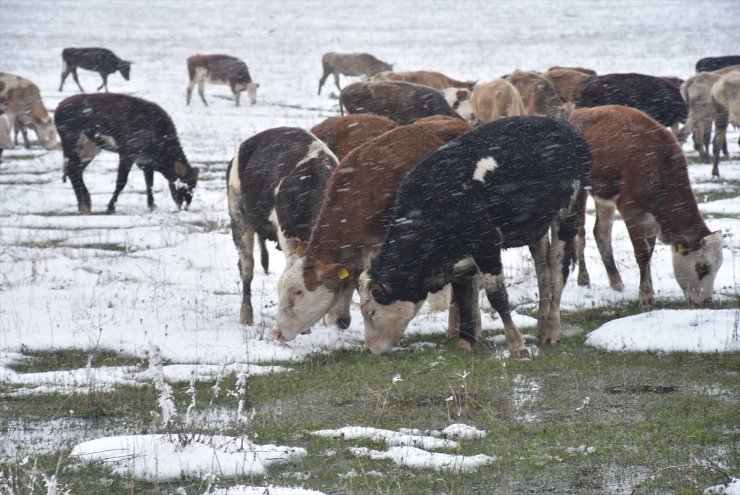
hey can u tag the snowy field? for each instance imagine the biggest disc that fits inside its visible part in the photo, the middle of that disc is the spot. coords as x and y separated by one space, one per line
166 282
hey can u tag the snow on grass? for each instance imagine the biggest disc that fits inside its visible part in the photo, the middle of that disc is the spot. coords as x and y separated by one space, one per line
419 458
730 488
263 490
391 438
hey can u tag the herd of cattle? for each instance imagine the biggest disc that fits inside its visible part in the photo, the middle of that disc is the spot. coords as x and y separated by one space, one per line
425 181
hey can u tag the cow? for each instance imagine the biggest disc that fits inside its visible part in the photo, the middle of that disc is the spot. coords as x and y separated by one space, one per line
220 69
20 100
494 100
353 219
139 131
654 96
538 95
401 101
726 92
564 80
100 60
436 80
6 142
343 134
275 185
640 169
350 64
710 64
501 185
582 70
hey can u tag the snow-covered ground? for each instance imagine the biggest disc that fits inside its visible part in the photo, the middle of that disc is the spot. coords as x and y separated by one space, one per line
168 279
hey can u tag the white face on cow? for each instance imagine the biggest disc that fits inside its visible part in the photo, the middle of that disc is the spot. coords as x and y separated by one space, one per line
298 307
459 100
384 324
696 270
252 92
47 134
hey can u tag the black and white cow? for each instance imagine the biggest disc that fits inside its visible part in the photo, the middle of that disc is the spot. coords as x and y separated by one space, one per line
275 186
501 185
100 60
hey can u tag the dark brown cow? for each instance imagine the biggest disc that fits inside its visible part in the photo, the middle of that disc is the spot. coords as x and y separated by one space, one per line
709 64
350 64
138 130
436 80
352 222
401 101
343 134
640 169
100 60
220 69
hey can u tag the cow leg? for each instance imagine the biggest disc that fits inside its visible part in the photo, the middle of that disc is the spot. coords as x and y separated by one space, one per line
105 82
149 179
19 128
453 313
584 279
264 255
339 314
237 95
65 73
201 92
499 299
603 233
643 230
74 75
189 91
719 142
336 81
124 167
323 78
243 235
462 290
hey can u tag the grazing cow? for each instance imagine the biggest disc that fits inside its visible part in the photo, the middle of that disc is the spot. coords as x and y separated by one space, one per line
138 130
538 95
275 185
496 99
220 69
709 64
640 169
352 222
343 134
401 101
726 92
436 80
100 60
20 100
459 100
654 96
588 72
501 185
350 64
564 80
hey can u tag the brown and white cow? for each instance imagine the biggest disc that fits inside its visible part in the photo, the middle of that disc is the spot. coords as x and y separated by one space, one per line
538 95
275 185
352 222
726 92
100 60
640 169
139 131
21 101
496 99
345 133
564 79
220 69
350 64
433 79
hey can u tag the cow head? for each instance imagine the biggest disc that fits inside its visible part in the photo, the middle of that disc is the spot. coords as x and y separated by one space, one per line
385 319
182 188
459 100
696 268
47 133
125 68
252 92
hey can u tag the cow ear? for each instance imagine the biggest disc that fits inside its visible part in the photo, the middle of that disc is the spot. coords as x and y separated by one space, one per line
181 169
298 245
332 274
681 245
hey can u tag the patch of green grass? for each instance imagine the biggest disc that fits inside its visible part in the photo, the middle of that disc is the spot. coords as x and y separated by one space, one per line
38 361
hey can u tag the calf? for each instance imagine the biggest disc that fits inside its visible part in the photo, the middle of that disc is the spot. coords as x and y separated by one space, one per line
436 80
20 100
401 101
220 69
564 80
138 130
709 64
502 185
653 95
538 95
343 134
494 100
275 184
100 60
353 219
350 64
640 169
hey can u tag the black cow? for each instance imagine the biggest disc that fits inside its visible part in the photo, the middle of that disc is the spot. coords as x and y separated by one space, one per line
138 130
100 60
501 185
402 102
275 186
653 95
714 63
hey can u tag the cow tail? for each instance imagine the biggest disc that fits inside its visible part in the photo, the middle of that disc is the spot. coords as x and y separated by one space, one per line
341 107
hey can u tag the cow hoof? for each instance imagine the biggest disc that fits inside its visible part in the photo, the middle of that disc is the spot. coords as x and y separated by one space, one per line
464 345
245 315
519 352
584 280
84 210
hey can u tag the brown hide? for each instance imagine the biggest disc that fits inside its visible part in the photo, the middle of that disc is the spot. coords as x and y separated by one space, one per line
23 97
538 95
496 99
343 134
582 70
436 80
726 92
564 80
220 68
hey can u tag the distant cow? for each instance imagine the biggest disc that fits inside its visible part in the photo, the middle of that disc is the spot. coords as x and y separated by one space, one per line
100 60
502 185
639 168
275 185
354 217
343 134
713 63
726 92
496 99
6 142
220 69
20 100
350 64
654 96
538 94
564 80
436 80
138 130
401 101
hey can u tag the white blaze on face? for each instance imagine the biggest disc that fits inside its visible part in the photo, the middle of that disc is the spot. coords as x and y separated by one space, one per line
252 92
695 271
484 166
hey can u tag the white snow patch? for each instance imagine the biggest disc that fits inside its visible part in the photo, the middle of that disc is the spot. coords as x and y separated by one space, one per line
730 488
418 458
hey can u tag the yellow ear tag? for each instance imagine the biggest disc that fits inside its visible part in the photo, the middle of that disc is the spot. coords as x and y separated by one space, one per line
342 273
682 249
298 250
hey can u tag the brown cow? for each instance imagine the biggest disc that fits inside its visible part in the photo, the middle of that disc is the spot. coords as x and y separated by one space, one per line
582 70
220 69
343 134
496 99
538 95
639 168
350 64
352 222
564 80
20 99
436 80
